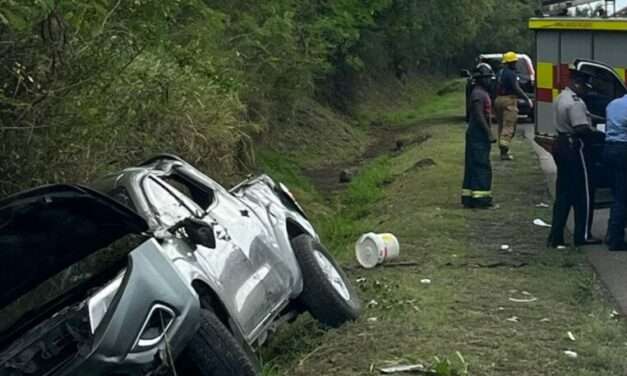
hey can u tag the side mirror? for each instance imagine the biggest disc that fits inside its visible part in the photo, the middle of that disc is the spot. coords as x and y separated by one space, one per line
199 232
464 73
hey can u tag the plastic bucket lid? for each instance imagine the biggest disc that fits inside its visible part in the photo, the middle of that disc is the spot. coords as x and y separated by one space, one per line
368 250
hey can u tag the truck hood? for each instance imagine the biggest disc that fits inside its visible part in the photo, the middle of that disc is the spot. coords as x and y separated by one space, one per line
45 230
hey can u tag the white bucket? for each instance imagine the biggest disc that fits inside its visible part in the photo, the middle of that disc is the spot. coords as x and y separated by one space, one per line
373 249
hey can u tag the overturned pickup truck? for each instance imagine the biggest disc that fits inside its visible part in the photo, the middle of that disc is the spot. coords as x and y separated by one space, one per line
165 270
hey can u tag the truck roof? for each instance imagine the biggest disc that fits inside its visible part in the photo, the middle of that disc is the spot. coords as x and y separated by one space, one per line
578 23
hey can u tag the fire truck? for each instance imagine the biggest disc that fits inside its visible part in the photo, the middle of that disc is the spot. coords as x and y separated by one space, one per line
597 46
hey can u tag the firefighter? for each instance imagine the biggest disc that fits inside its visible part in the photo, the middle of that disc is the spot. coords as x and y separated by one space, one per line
573 187
477 185
506 104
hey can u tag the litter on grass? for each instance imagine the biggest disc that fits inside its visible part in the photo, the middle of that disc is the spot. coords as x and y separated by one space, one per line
540 222
529 300
571 336
505 247
512 319
571 354
542 205
404 368
425 281
373 249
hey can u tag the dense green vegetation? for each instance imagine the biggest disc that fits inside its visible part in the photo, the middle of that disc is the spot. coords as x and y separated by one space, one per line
92 85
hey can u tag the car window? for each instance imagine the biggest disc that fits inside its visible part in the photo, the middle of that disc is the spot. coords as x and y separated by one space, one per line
605 87
202 195
604 82
169 209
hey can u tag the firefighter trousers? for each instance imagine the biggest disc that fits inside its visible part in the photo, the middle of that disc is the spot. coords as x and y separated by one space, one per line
477 185
573 188
506 108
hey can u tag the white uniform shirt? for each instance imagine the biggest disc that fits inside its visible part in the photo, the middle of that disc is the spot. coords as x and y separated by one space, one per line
570 112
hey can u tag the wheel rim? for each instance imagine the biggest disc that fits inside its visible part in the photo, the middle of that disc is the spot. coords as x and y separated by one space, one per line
333 276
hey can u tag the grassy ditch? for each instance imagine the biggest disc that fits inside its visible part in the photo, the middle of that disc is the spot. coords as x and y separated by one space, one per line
485 311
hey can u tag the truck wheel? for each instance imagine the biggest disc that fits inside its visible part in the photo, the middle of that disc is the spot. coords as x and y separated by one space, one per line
327 292
213 351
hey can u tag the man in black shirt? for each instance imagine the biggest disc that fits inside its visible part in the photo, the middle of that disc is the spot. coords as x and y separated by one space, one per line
477 185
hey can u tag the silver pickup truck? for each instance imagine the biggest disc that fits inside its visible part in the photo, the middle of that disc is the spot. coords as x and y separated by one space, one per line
158 269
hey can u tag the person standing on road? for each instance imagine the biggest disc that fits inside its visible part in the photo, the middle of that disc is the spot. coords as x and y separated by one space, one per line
573 186
615 157
506 104
477 185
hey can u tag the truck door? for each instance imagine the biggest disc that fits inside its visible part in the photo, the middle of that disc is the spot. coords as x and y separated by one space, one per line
239 279
605 87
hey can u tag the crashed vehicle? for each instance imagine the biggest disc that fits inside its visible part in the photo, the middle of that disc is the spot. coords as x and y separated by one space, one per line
164 270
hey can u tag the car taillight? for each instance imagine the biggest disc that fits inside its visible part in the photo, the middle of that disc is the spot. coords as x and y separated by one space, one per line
99 303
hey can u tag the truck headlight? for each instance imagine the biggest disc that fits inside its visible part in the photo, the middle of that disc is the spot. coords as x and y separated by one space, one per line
100 302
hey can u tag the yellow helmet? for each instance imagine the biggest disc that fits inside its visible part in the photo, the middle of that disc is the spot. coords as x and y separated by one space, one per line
509 57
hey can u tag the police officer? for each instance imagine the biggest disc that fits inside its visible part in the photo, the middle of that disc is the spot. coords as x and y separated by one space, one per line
506 104
573 187
477 185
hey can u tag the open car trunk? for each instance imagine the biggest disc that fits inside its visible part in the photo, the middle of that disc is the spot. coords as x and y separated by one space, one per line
53 240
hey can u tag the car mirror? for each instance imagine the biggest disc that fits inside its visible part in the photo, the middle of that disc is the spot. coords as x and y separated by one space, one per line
464 73
199 232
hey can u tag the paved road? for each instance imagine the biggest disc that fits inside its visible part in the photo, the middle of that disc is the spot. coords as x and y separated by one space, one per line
610 266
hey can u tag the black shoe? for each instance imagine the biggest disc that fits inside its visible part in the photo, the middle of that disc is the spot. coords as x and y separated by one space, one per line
617 247
589 241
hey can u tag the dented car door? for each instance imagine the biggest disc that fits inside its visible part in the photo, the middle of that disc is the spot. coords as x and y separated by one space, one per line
243 292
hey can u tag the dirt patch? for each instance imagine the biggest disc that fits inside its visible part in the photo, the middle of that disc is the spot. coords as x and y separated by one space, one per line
384 140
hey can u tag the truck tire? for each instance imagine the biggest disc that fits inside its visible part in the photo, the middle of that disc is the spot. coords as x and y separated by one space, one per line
327 294
213 351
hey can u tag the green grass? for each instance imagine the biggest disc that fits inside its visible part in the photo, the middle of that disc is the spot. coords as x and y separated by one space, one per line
466 308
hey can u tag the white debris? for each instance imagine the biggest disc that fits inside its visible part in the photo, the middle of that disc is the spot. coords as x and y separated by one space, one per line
372 319
542 205
512 319
614 314
403 368
545 320
571 354
505 247
570 336
372 303
425 281
540 222
360 280
529 300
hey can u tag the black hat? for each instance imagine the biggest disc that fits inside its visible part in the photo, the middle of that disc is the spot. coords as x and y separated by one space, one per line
482 70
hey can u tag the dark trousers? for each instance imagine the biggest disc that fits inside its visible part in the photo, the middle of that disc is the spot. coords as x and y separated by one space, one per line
573 188
477 185
615 158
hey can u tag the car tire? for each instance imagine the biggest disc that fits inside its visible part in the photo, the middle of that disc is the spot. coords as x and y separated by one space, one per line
213 351
327 293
